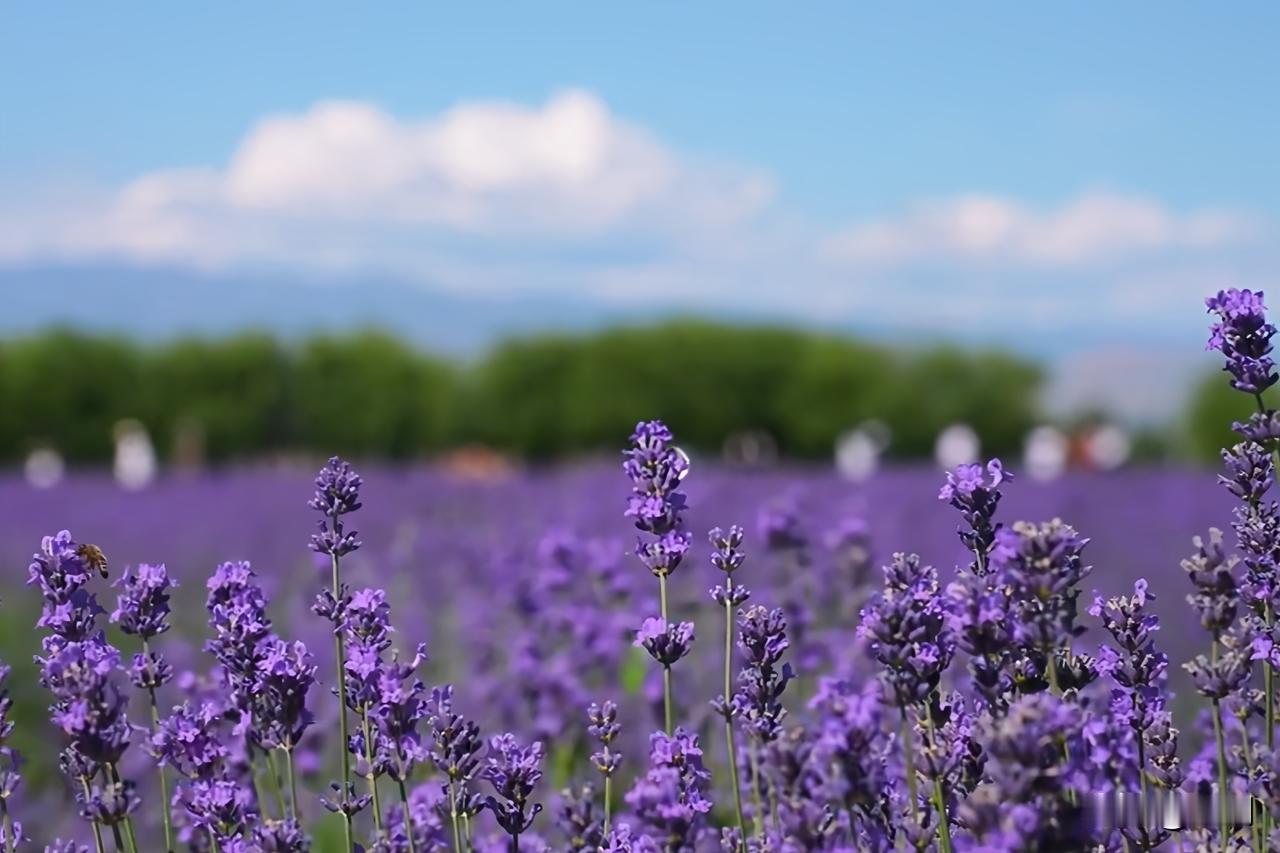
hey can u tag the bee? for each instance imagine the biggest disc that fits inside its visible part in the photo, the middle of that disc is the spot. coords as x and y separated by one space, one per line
93 555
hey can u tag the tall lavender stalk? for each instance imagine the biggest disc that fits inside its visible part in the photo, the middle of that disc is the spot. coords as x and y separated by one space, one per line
1139 672
1244 337
513 771
10 829
979 601
908 625
762 636
1224 672
387 695
88 707
727 557
604 728
338 494
656 467
142 610
456 751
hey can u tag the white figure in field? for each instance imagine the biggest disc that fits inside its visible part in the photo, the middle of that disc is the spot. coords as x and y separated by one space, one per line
1045 453
750 449
1109 447
135 459
44 468
857 455
956 445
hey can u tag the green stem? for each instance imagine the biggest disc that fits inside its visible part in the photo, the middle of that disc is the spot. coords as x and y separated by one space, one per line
453 816
608 803
8 827
97 827
909 759
1247 755
728 723
1268 688
1142 776
128 821
165 811
939 803
1222 762
666 670
277 788
293 782
371 777
339 647
408 821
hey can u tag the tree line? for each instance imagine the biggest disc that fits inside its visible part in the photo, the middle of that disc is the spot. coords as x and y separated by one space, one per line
368 394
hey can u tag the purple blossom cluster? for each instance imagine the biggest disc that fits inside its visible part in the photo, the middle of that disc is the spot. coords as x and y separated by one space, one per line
974 708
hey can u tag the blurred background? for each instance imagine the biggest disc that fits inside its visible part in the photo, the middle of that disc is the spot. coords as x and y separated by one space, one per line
834 246
441 232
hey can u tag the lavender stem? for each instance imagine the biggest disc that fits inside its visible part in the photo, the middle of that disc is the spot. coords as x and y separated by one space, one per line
340 652
728 722
408 821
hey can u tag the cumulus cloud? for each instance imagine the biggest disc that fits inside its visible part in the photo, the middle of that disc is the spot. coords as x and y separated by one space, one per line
347 183
567 196
984 228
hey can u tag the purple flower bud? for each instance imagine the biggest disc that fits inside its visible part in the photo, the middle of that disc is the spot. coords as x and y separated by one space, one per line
337 494
1243 335
665 642
513 771
143 605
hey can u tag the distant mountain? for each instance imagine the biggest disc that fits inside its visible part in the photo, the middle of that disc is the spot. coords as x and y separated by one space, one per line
157 304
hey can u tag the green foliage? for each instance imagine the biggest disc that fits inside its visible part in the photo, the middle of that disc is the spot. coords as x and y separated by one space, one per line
1213 407
369 394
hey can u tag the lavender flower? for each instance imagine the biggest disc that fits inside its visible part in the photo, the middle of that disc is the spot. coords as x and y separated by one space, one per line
665 642
281 836
456 752
77 668
792 764
414 825
976 497
604 728
283 679
1243 335
577 819
656 468
1041 566
1026 804
1211 571
513 771
10 762
668 799
762 636
907 624
1139 701
856 756
337 494
142 608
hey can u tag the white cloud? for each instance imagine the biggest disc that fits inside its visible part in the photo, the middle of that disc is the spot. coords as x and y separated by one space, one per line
566 196
984 228
345 184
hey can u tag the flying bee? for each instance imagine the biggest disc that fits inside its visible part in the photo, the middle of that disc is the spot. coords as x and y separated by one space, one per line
93 555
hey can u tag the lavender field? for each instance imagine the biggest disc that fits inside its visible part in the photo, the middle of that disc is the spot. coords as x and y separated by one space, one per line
657 655
527 596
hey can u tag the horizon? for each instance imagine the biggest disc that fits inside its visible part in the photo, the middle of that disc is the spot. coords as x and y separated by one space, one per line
1038 181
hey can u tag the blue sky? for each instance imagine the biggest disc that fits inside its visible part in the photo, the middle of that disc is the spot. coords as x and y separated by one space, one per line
1068 180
